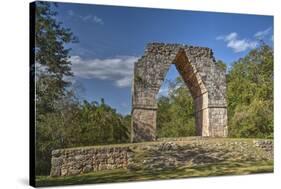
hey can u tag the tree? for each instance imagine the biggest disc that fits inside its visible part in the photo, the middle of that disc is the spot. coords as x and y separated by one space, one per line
175 115
250 94
51 57
101 124
52 67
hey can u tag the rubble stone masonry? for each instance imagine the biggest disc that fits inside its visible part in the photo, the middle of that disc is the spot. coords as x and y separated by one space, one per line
203 77
164 154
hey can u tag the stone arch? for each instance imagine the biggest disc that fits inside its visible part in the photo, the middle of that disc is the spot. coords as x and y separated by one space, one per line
204 78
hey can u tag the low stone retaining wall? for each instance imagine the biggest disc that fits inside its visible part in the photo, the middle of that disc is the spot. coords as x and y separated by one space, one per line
74 161
159 155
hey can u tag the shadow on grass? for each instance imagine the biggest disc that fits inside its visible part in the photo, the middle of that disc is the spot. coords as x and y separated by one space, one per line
122 175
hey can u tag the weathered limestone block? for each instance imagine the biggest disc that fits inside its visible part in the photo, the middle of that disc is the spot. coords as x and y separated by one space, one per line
218 120
205 80
83 160
144 125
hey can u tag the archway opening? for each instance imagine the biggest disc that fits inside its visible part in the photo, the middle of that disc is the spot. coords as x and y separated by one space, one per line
181 100
175 112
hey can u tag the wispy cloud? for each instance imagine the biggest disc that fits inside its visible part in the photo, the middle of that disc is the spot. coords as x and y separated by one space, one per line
237 45
262 34
163 91
118 69
92 18
86 18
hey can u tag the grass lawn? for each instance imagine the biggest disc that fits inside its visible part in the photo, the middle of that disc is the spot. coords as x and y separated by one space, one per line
121 175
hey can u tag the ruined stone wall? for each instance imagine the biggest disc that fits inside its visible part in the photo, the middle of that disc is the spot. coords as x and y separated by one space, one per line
74 161
163 154
205 80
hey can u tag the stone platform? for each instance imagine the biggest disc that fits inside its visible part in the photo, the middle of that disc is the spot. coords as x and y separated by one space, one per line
169 153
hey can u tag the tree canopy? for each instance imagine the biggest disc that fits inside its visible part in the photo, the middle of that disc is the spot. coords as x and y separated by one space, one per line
250 94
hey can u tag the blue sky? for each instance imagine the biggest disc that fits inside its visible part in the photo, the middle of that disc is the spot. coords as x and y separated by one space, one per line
112 38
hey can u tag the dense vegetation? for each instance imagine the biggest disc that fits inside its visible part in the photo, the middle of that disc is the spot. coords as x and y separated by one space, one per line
250 94
63 121
175 116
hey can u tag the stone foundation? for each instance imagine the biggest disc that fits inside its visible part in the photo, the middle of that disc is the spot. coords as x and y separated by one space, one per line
164 154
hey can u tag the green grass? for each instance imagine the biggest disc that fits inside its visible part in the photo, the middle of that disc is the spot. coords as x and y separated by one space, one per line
121 175
178 139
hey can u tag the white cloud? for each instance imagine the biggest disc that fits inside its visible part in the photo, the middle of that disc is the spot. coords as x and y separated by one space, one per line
163 91
262 34
118 69
92 18
97 20
236 44
88 18
242 45
232 36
